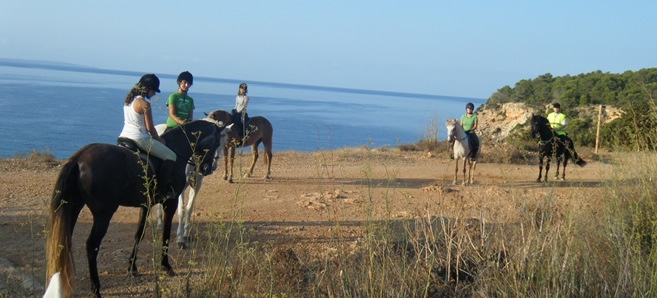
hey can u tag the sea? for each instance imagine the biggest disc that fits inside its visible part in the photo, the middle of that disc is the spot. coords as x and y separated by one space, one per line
58 108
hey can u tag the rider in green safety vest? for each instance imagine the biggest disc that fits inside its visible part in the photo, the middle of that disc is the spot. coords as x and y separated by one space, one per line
558 122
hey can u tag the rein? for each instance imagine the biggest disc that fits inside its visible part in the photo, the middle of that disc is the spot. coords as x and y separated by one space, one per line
217 123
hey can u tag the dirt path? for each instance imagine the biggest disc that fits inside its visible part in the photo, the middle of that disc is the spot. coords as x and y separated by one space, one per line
309 193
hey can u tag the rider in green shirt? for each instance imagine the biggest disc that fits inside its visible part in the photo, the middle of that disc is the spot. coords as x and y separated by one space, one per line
181 106
469 122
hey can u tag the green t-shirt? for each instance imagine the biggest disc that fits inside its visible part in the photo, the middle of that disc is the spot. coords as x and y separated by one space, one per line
468 122
183 104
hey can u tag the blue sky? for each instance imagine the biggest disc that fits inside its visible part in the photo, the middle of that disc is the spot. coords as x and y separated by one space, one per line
452 48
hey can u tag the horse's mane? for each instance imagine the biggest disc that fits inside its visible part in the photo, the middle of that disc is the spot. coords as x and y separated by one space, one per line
539 118
191 125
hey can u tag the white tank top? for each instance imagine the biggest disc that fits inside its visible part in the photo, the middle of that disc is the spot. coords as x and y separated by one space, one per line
134 126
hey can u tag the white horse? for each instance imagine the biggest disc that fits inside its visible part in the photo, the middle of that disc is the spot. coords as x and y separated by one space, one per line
461 150
195 180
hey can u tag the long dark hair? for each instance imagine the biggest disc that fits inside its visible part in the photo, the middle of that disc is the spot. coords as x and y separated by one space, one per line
135 91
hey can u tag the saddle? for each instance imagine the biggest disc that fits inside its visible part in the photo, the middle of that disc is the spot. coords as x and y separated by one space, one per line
129 144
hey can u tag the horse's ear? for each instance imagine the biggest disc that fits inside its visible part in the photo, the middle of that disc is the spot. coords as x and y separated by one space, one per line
211 115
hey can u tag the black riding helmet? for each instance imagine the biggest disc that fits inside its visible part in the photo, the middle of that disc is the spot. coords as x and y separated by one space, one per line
186 76
150 81
556 105
470 106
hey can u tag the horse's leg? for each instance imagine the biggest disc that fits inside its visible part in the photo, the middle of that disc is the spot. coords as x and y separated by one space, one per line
268 156
232 164
186 211
565 162
166 236
254 151
98 231
456 171
225 153
158 216
465 164
132 266
556 174
540 167
473 166
181 219
547 167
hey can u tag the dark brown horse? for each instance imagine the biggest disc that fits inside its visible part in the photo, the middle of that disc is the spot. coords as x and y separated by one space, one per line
104 177
550 145
259 130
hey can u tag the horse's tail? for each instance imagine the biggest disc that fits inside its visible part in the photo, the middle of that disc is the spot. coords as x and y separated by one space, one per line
59 257
574 157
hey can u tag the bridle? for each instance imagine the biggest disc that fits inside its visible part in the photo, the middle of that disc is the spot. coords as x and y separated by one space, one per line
218 124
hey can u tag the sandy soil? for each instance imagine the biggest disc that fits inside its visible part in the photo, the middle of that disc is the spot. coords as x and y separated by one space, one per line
308 194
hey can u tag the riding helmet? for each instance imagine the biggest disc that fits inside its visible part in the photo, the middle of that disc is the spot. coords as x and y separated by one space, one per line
556 105
185 76
470 106
243 86
150 81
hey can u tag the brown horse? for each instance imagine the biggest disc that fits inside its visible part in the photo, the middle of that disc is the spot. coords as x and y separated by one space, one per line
104 177
259 131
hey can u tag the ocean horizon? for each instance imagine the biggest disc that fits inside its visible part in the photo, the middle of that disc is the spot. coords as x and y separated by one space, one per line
61 107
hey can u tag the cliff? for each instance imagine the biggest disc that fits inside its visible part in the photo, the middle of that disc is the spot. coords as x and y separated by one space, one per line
498 122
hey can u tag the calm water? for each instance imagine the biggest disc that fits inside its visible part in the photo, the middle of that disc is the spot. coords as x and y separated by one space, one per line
62 108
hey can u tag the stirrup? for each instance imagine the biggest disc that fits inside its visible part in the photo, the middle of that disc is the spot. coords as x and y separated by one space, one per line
170 194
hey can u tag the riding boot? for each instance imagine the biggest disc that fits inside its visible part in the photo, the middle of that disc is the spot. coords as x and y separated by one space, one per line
165 177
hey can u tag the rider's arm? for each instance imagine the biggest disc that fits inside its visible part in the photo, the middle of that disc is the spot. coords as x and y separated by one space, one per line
144 107
172 114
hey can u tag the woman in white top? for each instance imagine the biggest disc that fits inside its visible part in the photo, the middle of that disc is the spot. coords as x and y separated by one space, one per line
138 125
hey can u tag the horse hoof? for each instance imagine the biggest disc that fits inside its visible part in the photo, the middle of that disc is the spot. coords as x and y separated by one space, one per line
225 178
266 177
170 272
182 245
230 180
454 182
133 273
160 227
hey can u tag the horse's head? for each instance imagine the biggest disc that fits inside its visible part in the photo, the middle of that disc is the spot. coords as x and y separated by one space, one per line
220 115
201 140
450 125
539 125
211 146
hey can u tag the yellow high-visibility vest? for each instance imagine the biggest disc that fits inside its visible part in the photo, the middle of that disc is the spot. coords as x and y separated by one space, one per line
556 121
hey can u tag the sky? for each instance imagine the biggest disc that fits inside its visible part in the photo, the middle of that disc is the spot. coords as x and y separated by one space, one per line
449 48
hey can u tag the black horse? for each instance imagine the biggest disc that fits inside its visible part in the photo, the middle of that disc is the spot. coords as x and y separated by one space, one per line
104 177
550 145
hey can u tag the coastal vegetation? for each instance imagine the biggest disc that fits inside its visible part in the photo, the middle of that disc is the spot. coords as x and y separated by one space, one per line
632 91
